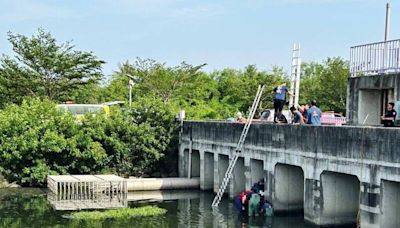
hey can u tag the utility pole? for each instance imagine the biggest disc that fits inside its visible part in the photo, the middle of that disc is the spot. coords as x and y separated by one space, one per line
387 21
131 83
387 27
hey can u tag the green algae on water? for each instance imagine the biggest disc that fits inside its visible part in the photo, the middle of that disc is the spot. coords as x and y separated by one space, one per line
122 213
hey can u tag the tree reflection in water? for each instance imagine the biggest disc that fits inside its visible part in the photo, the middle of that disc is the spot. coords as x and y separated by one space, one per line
30 208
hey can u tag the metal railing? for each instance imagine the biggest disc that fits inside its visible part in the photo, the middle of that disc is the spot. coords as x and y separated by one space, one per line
375 58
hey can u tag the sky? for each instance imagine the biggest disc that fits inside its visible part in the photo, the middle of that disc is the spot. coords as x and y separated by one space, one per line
220 33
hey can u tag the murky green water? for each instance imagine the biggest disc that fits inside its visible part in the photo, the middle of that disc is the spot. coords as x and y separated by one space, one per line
30 208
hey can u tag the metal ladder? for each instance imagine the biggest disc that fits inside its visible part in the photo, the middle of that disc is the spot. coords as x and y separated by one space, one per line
229 170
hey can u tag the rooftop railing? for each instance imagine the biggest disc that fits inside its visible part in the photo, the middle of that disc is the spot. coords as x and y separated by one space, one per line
375 58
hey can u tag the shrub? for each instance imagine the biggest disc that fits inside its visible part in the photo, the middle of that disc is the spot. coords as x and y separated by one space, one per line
122 213
37 140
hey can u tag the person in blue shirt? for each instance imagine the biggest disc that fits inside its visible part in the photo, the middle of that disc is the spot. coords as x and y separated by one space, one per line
280 100
314 114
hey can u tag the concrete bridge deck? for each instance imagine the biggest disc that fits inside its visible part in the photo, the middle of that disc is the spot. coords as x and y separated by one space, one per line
328 172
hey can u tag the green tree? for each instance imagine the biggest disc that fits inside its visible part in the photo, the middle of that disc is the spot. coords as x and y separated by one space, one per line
326 82
238 88
44 68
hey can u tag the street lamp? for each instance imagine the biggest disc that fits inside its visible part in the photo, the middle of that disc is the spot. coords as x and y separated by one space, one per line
131 83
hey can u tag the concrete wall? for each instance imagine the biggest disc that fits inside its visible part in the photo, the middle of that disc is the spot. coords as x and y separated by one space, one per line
206 171
195 167
221 167
289 188
390 204
340 194
238 181
364 92
256 170
369 103
354 154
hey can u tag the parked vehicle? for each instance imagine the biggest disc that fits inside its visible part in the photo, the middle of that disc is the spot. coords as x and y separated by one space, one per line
332 118
79 110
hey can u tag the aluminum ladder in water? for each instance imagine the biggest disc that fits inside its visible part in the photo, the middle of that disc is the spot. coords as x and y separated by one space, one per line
229 170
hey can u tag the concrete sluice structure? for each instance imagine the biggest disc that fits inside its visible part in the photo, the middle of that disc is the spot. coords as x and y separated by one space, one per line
333 175
76 192
147 184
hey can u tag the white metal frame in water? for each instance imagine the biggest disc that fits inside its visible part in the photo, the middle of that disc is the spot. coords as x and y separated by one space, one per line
75 192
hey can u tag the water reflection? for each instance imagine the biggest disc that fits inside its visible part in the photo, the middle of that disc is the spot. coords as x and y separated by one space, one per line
97 201
22 208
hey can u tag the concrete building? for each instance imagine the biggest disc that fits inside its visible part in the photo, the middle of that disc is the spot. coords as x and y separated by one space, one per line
331 173
374 81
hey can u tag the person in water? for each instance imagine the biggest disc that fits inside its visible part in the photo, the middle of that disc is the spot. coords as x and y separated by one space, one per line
241 201
258 186
254 204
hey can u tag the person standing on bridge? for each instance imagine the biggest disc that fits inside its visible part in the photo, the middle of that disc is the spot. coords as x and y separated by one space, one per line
314 114
390 115
280 100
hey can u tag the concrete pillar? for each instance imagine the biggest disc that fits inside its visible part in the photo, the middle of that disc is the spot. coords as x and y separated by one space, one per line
333 201
238 181
183 163
390 217
269 185
289 188
247 173
370 205
257 170
220 167
195 164
312 201
206 170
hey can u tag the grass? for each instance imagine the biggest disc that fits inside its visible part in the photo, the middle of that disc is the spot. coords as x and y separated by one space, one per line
122 213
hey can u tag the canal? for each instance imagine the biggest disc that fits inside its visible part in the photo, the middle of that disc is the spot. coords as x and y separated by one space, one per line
29 207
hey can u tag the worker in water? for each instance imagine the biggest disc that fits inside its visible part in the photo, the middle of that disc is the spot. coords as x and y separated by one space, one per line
258 186
241 201
265 206
254 204
390 115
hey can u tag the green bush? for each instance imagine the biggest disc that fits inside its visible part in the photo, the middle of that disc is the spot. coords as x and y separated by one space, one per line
37 140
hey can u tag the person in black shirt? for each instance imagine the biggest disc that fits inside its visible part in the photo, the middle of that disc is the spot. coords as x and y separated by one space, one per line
390 115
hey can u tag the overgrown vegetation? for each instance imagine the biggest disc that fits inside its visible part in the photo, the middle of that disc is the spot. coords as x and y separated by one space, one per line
123 213
37 140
